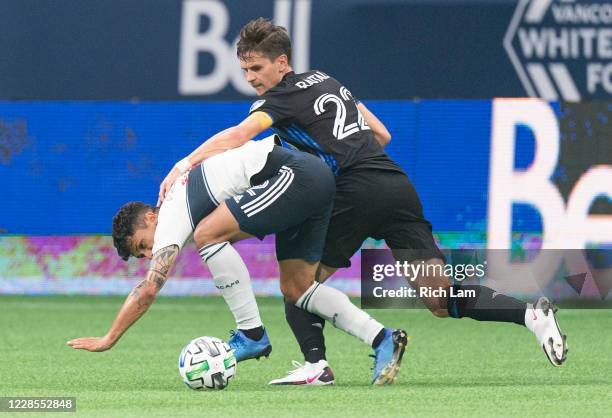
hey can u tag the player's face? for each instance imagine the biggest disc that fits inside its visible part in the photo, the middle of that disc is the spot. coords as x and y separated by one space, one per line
142 239
262 73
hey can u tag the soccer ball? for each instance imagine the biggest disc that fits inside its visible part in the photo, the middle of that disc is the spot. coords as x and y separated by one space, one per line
207 363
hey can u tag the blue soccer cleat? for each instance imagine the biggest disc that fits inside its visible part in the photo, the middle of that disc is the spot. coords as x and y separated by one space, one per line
246 348
388 356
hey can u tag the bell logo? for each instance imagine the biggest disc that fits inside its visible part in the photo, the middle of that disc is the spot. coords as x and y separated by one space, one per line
226 67
564 226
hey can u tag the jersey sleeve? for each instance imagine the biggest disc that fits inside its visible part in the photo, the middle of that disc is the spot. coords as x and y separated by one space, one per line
277 108
173 222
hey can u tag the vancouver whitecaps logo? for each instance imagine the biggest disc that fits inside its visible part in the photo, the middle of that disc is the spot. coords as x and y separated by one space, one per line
562 49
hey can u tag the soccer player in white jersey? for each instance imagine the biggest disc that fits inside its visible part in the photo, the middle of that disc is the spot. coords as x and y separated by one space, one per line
253 190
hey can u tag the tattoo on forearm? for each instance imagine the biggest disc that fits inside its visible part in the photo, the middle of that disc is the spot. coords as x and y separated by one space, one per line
136 293
157 277
162 262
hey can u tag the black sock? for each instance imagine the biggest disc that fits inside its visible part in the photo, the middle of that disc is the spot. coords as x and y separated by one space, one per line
308 331
487 305
378 339
254 333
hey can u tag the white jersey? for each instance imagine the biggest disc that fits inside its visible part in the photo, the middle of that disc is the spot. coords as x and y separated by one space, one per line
226 175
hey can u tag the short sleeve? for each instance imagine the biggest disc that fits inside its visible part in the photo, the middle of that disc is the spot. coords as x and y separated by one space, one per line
173 222
277 108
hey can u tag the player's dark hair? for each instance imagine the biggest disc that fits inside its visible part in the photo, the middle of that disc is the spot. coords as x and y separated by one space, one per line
125 222
264 37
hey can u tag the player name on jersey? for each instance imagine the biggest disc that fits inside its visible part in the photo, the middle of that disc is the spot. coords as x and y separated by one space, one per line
312 79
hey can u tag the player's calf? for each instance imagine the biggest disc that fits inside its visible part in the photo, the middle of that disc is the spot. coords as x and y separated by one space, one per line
432 284
335 307
489 305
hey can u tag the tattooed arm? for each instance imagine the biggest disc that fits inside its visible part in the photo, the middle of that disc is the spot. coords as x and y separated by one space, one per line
136 304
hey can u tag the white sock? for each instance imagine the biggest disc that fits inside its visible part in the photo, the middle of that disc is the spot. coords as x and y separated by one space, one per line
233 281
335 307
530 317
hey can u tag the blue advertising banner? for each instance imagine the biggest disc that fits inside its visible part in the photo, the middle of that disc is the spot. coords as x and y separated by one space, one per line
478 165
391 49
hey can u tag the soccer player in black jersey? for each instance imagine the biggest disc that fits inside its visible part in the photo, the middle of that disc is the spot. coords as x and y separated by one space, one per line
374 197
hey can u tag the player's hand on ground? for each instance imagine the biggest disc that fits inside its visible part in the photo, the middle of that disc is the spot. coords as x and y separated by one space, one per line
91 344
164 188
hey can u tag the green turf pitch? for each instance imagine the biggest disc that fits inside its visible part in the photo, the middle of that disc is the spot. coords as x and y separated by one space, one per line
452 368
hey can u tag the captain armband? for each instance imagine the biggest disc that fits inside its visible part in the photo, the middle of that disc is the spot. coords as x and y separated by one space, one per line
265 121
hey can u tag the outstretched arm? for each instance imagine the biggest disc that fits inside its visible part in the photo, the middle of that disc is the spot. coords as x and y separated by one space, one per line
136 304
227 139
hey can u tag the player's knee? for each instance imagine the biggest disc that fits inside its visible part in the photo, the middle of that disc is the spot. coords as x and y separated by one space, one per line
295 286
290 292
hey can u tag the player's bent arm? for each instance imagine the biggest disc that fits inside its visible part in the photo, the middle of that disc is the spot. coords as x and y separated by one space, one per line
231 138
143 295
381 133
137 302
227 139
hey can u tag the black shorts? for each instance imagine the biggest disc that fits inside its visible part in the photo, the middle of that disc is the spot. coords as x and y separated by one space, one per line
292 197
379 204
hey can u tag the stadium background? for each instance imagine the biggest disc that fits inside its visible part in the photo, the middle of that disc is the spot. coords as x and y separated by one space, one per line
99 100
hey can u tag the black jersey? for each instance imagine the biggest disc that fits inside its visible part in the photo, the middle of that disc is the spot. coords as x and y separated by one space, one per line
315 113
